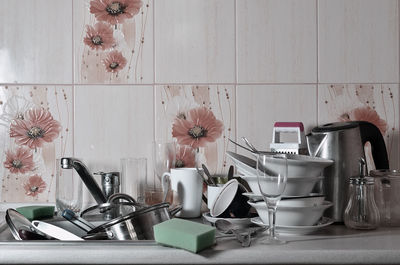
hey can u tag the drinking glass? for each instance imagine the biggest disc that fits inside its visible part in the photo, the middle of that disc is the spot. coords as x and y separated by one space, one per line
164 155
68 189
134 176
272 176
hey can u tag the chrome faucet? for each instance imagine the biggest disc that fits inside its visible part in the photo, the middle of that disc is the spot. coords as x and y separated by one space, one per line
87 178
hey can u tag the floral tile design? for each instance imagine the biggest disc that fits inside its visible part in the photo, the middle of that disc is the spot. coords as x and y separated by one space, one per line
378 104
35 129
113 41
199 118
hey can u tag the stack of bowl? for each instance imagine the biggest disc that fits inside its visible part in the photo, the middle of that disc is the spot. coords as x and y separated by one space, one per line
298 206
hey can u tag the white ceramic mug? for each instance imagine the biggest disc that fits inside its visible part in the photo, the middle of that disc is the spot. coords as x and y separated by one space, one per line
212 194
188 186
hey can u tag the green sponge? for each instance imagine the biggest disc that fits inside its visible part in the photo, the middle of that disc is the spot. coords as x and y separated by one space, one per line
184 234
36 212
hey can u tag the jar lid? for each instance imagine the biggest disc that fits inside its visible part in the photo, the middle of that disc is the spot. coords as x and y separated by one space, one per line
362 180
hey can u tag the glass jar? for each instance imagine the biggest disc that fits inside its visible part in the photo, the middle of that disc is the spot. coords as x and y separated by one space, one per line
361 211
387 195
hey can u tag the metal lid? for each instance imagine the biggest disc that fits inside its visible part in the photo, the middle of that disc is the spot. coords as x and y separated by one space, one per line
385 173
128 216
336 126
362 180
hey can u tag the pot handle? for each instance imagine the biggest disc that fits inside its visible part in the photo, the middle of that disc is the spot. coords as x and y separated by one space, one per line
176 210
370 133
123 196
165 183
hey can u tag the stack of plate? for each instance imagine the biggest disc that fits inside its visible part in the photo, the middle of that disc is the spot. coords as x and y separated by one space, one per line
299 210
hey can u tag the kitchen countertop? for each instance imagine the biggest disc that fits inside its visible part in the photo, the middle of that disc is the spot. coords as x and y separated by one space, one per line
333 245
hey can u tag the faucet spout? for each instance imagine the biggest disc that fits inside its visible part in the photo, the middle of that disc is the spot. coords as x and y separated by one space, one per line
87 178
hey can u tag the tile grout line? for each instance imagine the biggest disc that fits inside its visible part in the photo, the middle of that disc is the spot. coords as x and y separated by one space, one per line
199 83
154 71
236 72
317 51
73 81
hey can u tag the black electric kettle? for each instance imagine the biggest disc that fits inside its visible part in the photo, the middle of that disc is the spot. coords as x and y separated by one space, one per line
344 143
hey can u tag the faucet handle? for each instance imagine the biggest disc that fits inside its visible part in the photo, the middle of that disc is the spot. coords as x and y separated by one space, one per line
110 182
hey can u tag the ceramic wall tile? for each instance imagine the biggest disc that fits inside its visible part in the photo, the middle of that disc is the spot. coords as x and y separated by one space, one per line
378 104
194 41
113 122
116 49
180 110
36 41
260 106
35 129
358 41
276 41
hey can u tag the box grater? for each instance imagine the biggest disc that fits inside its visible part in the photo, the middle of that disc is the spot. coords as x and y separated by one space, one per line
299 147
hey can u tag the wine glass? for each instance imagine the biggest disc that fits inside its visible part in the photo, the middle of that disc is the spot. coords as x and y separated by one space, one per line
272 176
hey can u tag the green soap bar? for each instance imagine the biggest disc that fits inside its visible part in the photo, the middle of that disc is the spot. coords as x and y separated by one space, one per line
184 234
36 212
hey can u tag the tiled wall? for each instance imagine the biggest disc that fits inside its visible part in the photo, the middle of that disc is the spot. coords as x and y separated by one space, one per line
252 62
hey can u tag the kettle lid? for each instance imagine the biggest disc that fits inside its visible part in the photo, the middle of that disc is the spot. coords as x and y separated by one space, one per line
335 126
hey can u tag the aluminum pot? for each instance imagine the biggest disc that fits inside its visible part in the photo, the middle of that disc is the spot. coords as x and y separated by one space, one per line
137 225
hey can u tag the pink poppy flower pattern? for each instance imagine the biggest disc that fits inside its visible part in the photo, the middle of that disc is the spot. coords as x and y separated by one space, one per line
185 156
200 127
99 37
34 186
366 114
37 128
19 161
114 11
114 62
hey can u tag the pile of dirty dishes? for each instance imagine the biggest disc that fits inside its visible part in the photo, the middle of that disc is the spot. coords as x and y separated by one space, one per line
298 206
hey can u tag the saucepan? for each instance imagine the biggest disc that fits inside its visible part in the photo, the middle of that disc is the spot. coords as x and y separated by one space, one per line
136 225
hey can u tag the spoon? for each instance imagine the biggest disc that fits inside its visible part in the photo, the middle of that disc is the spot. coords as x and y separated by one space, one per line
226 227
250 145
208 174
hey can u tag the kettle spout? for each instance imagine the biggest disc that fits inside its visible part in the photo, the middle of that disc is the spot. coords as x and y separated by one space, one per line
314 143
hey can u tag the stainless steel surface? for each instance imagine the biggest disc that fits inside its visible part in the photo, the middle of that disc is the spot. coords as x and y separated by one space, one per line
245 148
227 227
137 225
343 143
76 220
87 178
345 148
110 183
16 222
54 231
250 145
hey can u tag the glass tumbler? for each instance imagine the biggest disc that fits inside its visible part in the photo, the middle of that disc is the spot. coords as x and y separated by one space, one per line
68 189
134 174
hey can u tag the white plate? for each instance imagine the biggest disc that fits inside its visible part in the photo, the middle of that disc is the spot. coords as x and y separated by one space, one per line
297 230
258 197
240 222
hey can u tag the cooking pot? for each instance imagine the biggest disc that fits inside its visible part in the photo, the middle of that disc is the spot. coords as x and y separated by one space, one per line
136 225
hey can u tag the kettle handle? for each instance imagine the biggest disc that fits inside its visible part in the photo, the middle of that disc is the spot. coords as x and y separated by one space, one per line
370 133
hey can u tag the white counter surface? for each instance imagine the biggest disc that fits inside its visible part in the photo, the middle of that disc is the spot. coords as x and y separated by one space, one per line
333 245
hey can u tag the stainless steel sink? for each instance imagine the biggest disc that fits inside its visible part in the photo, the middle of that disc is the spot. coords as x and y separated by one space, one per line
7 237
